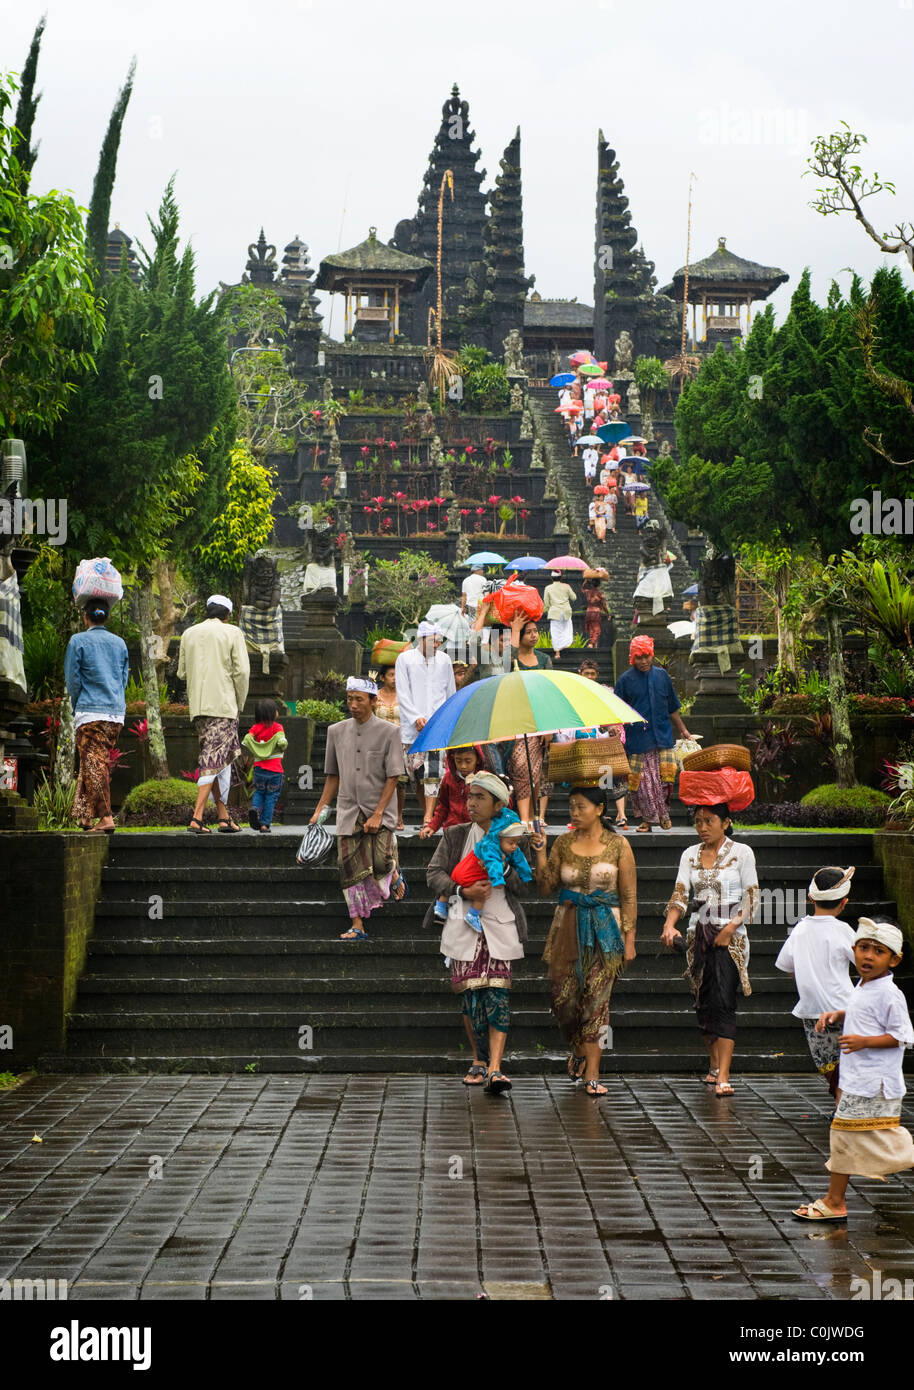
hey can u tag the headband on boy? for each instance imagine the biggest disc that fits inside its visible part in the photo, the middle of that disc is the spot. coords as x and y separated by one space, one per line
883 932
838 890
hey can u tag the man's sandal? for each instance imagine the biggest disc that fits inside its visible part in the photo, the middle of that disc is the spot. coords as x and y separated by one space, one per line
822 1212
496 1083
593 1088
228 827
476 1075
203 829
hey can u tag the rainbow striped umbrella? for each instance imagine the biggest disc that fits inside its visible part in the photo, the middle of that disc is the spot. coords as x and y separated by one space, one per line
522 702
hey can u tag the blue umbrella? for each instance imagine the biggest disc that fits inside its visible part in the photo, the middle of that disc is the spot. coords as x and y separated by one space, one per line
526 562
563 379
485 557
614 432
691 591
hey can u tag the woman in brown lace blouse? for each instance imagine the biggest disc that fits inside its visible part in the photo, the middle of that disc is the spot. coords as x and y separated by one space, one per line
593 932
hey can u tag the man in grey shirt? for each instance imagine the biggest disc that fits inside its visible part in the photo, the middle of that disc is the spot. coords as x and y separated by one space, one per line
363 761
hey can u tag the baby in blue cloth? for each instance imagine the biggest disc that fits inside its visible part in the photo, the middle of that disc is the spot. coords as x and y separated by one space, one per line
488 861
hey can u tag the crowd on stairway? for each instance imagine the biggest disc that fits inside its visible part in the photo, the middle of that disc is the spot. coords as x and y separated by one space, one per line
615 463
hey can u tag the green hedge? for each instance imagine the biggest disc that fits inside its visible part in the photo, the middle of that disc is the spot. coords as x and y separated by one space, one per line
168 802
834 798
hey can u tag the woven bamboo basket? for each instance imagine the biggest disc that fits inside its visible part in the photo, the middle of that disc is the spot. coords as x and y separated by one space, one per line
586 760
718 756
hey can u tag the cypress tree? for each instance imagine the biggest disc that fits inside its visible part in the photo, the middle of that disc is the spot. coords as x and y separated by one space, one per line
27 105
100 205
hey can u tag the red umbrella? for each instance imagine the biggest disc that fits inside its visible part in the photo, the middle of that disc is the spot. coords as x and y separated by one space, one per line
601 490
577 359
572 408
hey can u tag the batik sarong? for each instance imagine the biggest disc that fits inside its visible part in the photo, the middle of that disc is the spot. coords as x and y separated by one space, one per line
584 954
520 772
868 1139
716 976
484 984
219 745
93 786
651 778
367 865
824 1050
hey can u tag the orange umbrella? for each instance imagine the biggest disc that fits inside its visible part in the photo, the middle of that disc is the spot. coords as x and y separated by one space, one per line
600 490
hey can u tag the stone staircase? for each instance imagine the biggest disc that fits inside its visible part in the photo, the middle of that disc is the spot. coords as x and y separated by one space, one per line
619 553
222 955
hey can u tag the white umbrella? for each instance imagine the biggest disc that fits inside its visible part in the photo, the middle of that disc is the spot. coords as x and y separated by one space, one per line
448 617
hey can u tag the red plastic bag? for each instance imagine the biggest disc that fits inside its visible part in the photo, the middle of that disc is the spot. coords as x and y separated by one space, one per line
733 788
517 600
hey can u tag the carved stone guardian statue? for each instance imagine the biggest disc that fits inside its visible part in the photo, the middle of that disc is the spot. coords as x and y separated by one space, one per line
261 611
624 350
514 353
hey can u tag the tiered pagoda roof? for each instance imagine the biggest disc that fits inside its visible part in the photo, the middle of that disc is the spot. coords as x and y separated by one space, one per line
497 288
724 271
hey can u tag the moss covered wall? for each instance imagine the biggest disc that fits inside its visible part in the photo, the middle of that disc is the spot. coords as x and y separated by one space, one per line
895 850
48 889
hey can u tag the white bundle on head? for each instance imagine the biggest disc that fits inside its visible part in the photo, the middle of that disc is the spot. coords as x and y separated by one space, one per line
886 933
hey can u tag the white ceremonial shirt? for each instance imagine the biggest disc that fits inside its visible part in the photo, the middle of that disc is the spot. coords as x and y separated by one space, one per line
474 586
817 953
876 1007
423 685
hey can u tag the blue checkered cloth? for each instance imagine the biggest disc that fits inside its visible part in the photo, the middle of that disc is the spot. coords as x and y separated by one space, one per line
717 631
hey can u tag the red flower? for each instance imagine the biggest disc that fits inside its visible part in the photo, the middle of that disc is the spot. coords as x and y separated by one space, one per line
493 501
432 526
190 776
140 730
364 449
469 449
367 509
392 444
464 511
480 511
439 501
517 501
525 514
325 482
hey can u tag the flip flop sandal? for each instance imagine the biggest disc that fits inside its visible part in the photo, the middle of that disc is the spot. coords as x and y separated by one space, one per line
824 1213
575 1063
353 934
497 1083
723 1088
593 1088
475 1070
644 828
395 883
621 821
713 1073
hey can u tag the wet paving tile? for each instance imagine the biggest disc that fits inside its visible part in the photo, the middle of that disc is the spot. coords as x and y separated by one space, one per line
261 1190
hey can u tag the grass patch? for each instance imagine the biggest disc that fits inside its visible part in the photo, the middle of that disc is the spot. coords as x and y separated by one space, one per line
808 829
9 1080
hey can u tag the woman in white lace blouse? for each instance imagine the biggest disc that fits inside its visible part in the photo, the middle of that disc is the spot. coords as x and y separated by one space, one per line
717 884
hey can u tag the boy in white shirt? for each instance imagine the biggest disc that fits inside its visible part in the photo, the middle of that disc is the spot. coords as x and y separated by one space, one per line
867 1137
818 953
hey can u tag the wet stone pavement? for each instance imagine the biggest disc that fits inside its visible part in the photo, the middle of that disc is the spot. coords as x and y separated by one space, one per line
362 1187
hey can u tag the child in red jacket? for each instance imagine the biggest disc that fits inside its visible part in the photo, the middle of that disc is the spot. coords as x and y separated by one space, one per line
451 806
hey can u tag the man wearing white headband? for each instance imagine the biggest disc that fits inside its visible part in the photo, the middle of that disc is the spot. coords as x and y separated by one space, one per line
214 662
867 1137
362 765
819 953
425 679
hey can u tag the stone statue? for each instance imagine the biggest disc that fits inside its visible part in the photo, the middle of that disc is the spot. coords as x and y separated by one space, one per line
463 548
435 451
422 393
327 389
261 610
634 399
536 458
526 425
549 490
717 581
453 516
340 482
665 449
516 401
653 545
574 547
445 481
336 458
514 352
624 349
647 426
561 527
320 574
653 574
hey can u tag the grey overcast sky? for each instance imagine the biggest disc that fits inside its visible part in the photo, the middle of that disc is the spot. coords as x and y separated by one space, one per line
316 118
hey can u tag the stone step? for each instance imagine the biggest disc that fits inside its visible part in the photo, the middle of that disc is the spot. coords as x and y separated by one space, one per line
548 1060
263 1031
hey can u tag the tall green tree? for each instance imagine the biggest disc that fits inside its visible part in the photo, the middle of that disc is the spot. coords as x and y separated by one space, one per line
103 187
51 322
27 105
148 434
